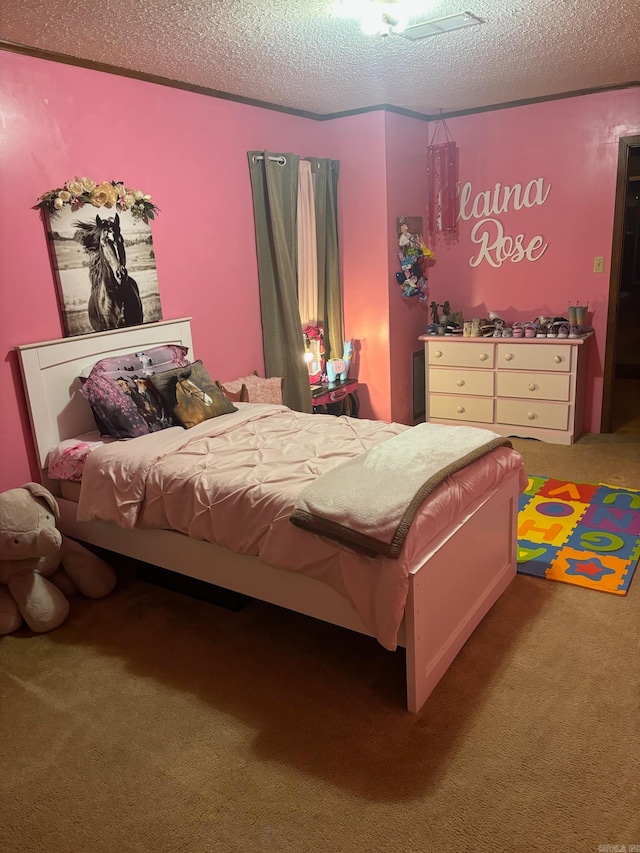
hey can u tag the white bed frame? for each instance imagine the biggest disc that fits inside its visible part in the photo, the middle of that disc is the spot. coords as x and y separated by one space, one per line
459 577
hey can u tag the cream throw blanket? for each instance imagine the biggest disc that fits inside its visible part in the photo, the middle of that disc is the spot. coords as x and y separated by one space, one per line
369 502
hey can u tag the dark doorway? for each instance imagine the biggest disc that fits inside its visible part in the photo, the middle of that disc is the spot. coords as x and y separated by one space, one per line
622 355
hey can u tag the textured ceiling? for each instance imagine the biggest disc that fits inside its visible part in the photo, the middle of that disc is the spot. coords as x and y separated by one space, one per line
293 53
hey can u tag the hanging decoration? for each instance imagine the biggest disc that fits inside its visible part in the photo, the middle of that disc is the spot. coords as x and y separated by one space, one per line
442 183
415 258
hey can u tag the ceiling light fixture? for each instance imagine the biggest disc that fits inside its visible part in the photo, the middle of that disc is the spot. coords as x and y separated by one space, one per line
383 17
378 17
426 29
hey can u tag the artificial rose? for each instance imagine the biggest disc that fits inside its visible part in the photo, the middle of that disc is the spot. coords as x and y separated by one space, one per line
129 199
104 195
120 190
58 203
138 195
146 197
64 195
75 187
88 185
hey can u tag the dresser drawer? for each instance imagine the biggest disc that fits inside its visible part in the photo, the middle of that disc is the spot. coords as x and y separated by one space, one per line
450 381
454 354
535 386
533 413
532 356
461 408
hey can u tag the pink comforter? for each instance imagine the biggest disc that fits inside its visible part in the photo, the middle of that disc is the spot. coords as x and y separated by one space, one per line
234 480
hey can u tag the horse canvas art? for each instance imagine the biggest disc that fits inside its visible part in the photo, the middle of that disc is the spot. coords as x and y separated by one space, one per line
105 269
115 299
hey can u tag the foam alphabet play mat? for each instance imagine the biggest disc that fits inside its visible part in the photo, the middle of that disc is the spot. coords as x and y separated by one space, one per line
579 533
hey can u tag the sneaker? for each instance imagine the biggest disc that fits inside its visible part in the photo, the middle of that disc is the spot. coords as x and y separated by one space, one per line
563 330
552 330
507 332
577 332
518 330
530 330
542 331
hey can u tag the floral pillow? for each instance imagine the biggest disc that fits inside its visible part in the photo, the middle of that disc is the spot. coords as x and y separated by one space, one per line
259 390
123 404
66 460
189 394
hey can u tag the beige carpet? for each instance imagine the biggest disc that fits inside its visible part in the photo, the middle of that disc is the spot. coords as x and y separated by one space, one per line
154 722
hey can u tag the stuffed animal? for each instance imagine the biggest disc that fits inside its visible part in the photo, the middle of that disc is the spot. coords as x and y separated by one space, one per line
39 567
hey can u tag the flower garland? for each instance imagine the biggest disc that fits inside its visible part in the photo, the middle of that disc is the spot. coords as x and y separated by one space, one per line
79 191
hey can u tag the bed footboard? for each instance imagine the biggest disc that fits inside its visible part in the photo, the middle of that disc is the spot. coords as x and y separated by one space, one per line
457 584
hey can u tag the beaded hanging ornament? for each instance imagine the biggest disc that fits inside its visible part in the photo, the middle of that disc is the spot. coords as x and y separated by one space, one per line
442 184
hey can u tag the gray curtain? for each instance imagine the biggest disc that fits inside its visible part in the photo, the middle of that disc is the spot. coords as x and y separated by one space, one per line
325 176
275 187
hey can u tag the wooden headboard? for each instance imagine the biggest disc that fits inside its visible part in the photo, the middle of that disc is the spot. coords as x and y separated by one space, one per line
51 371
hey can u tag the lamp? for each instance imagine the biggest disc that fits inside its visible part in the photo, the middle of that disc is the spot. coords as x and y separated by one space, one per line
377 17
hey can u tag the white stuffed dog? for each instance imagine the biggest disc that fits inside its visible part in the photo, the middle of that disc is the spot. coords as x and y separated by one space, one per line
39 567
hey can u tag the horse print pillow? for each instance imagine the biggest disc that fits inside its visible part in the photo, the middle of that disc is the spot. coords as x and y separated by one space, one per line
190 395
146 361
123 404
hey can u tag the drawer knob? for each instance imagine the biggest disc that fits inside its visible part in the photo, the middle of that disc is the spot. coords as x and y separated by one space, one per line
531 416
483 356
438 353
508 356
532 387
557 359
460 382
460 409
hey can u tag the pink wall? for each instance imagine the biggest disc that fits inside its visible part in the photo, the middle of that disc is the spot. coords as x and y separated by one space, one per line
573 145
407 141
189 151
359 144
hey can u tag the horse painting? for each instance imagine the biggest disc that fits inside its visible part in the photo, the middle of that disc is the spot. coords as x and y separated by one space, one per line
115 299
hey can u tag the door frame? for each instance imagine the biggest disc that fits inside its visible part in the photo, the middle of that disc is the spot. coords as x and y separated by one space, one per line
625 144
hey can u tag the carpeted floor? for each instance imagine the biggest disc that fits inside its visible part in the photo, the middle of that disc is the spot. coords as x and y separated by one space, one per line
155 723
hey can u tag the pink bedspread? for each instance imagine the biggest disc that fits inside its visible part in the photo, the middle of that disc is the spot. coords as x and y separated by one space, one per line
234 480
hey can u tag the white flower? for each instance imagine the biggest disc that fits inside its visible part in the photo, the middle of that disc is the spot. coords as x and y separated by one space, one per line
75 187
138 195
64 195
129 199
146 197
120 190
58 203
87 184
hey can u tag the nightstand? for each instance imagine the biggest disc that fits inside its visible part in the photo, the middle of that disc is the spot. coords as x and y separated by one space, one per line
336 398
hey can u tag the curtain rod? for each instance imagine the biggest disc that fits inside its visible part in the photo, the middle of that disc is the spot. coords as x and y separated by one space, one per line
281 159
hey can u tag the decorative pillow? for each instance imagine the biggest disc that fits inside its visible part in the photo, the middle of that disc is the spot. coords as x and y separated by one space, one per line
241 396
190 395
144 361
122 403
259 390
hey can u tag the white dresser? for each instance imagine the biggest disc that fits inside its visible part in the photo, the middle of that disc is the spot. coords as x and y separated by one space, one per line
528 387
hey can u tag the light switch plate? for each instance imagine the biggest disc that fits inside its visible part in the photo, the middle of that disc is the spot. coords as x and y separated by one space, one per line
598 264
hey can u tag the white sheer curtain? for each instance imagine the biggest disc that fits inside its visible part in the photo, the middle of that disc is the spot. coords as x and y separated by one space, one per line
307 247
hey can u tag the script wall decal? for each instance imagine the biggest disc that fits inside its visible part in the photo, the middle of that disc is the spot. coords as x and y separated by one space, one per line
495 245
